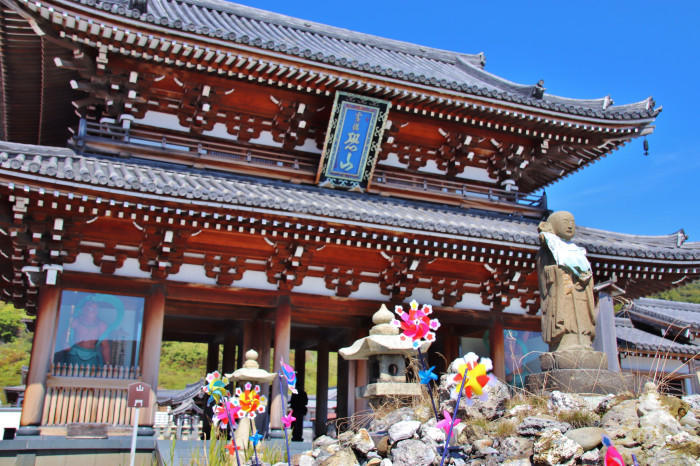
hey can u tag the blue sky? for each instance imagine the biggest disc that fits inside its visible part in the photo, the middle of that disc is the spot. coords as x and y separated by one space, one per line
628 50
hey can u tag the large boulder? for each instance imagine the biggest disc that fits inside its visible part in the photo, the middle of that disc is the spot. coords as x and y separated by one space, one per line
620 419
412 452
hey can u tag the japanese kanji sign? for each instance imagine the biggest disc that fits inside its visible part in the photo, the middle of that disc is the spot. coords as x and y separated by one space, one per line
352 140
138 395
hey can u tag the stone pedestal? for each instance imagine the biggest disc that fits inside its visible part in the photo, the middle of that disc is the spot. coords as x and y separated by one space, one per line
578 371
601 381
573 359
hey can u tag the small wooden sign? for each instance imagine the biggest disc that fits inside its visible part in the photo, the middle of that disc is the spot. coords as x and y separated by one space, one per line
139 395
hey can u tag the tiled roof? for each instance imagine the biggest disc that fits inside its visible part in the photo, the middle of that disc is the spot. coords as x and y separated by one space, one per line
192 186
221 20
173 397
672 312
629 337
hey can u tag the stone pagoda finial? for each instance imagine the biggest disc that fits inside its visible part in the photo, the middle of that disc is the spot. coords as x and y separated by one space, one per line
382 323
251 359
251 371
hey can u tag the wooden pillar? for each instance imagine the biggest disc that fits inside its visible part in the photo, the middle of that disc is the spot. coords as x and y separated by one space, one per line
451 347
342 386
248 342
694 370
321 388
283 327
42 346
229 356
241 349
152 339
352 377
497 349
212 356
361 379
300 368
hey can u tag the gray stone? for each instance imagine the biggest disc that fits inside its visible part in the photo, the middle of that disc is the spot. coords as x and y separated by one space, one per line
692 400
580 381
402 414
305 460
343 457
537 425
588 437
591 457
517 462
322 441
432 435
483 446
412 453
559 401
516 447
386 462
553 448
403 430
620 419
362 442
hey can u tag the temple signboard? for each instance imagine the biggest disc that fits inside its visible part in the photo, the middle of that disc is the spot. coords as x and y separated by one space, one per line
352 141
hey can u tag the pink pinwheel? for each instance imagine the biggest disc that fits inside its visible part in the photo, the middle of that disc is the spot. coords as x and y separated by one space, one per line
288 420
415 323
447 422
221 416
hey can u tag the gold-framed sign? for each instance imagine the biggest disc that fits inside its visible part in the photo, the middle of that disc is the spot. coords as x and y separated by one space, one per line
352 141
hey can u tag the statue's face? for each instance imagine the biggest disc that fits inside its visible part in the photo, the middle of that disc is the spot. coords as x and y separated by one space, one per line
563 225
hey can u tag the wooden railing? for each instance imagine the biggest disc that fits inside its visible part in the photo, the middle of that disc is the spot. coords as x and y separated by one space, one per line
171 146
167 145
86 394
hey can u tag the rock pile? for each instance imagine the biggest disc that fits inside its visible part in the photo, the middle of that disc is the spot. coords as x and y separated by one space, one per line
556 429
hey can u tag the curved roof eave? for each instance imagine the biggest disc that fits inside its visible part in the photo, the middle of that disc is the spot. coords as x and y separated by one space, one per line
315 43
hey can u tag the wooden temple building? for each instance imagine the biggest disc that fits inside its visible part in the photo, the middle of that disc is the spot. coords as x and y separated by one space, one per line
205 171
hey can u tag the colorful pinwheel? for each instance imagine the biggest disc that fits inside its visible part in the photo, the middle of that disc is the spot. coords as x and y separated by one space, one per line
216 387
612 456
415 323
475 373
289 375
447 422
255 438
232 448
225 411
427 375
288 420
250 402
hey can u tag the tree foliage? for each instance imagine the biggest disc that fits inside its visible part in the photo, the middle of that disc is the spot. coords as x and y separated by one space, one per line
15 346
689 293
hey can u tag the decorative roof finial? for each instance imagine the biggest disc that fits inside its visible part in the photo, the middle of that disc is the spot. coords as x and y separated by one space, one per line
538 89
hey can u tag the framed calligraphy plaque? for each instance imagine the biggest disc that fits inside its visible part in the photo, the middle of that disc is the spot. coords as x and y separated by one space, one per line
352 141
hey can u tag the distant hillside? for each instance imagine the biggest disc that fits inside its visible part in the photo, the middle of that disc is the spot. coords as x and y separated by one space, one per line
689 293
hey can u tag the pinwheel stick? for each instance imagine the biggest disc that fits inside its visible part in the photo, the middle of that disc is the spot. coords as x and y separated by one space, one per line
230 426
452 422
255 448
430 391
283 392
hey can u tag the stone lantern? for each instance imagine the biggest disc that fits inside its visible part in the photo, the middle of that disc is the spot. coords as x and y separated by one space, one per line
250 372
386 353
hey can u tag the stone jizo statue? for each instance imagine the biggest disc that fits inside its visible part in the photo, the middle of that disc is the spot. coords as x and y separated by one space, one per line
566 286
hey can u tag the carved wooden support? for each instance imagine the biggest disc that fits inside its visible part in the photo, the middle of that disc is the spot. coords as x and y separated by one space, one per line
399 278
342 280
224 268
288 264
